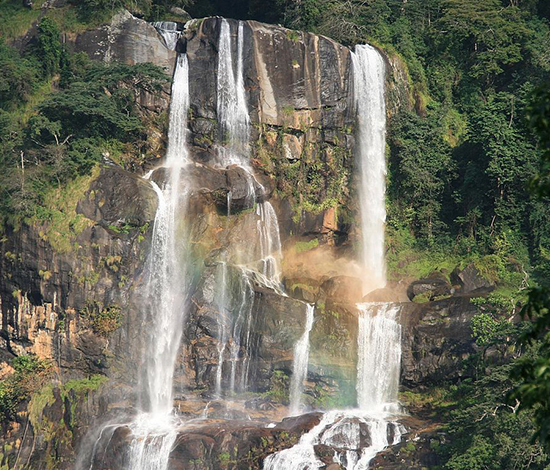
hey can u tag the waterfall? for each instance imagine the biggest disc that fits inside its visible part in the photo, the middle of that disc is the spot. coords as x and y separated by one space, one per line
346 431
379 355
261 258
169 32
154 429
232 108
301 359
368 81
167 279
379 333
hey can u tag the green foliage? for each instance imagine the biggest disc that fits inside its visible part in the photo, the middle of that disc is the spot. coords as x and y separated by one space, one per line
421 169
103 320
29 374
278 389
65 134
18 79
48 47
485 430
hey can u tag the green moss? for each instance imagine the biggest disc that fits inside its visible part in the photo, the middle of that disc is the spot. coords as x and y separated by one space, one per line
85 385
103 320
306 246
294 36
61 223
421 298
15 19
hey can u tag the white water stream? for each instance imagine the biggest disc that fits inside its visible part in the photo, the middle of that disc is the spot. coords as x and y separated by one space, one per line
154 429
301 359
369 76
262 255
169 32
379 355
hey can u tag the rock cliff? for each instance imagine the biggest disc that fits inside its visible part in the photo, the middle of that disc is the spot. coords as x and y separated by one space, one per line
73 296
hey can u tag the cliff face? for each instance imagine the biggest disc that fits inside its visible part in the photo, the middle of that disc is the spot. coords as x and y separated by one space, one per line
75 299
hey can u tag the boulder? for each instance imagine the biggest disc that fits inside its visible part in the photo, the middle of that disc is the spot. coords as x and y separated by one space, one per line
430 287
119 198
470 279
436 341
181 13
392 292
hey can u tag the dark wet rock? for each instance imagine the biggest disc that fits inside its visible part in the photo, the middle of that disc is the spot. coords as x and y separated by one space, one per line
430 288
436 340
417 449
470 279
394 291
119 199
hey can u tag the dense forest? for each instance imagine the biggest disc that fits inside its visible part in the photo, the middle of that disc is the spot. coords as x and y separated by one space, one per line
468 169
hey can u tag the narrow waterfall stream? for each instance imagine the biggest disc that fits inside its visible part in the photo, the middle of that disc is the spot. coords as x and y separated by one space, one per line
169 32
154 430
263 255
301 359
368 85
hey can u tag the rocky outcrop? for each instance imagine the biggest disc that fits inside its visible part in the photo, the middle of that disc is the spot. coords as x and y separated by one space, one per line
436 340
215 445
126 39
470 280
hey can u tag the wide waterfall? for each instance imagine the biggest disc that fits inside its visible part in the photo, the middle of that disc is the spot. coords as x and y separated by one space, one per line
301 359
368 82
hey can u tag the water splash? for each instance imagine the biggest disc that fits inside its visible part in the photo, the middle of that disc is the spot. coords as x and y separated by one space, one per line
368 81
300 366
356 436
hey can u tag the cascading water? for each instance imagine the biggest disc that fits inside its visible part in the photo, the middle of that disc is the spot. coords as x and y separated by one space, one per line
301 359
379 333
263 256
169 32
379 355
154 430
368 81
233 117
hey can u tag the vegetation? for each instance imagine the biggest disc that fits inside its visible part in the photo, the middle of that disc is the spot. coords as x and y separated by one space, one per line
461 161
54 134
28 374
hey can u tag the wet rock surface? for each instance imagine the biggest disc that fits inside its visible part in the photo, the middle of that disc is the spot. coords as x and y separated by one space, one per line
218 444
436 340
298 87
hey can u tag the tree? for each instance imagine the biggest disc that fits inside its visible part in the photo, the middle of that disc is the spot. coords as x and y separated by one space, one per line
534 391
